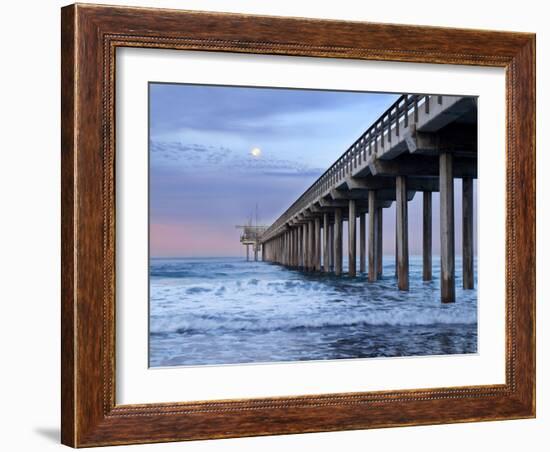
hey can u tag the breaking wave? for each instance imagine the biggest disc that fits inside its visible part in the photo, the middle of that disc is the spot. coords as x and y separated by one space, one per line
215 325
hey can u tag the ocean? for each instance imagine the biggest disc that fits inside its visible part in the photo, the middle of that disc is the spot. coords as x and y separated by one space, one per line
212 311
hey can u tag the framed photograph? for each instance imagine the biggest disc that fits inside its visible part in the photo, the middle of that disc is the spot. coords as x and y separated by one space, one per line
281 225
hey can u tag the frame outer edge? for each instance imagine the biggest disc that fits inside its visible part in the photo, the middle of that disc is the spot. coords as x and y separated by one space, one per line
68 230
86 420
525 62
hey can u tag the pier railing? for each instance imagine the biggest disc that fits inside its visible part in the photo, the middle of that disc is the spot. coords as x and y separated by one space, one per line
376 138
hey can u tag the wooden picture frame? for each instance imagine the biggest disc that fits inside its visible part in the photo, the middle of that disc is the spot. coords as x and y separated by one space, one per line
90 36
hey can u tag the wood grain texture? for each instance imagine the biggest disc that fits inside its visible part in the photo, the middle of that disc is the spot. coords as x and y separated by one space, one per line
68 311
90 36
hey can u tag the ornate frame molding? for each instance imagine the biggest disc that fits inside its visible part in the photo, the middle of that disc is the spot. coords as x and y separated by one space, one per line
90 36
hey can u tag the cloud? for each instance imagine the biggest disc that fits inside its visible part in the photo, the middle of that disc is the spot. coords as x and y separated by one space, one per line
245 109
194 157
312 125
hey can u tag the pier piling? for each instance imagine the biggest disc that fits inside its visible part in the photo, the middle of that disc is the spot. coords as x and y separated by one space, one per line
352 259
447 227
379 236
326 268
468 233
331 246
317 251
362 243
338 242
373 226
402 234
427 236
311 246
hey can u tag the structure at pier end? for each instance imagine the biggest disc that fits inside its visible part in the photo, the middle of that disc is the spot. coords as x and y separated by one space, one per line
251 237
420 144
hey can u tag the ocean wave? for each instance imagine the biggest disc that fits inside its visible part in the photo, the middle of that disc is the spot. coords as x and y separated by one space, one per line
390 318
252 284
172 273
196 290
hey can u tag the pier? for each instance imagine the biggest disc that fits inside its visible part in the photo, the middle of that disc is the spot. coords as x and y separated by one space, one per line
420 144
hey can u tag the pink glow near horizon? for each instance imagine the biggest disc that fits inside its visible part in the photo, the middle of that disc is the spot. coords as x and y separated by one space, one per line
193 240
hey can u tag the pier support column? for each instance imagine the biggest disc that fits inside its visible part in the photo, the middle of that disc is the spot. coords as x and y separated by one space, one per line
247 253
338 242
379 236
402 234
288 257
396 241
362 243
352 247
427 236
373 226
292 247
298 246
304 246
325 243
331 246
468 233
255 253
447 227
310 246
295 247
317 252
289 247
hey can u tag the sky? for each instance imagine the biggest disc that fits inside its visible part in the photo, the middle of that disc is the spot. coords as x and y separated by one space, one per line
219 154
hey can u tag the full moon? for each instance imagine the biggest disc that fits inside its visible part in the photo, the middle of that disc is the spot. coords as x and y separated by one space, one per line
256 152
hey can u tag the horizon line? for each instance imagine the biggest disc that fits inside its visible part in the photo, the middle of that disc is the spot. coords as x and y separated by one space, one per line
259 260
